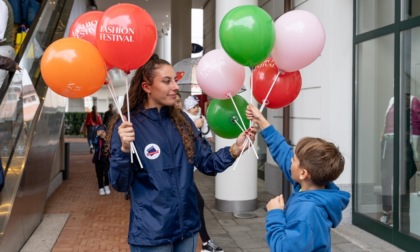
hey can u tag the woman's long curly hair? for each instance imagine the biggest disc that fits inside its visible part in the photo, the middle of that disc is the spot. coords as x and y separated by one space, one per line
137 97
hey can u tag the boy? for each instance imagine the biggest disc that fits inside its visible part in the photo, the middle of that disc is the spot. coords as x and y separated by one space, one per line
315 206
100 158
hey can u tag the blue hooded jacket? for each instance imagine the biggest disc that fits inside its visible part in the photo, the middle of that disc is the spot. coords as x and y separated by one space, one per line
307 219
164 205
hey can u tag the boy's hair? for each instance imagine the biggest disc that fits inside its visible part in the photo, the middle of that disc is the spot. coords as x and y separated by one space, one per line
320 158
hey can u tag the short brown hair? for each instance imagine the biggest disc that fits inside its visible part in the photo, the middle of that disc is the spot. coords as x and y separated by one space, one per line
322 159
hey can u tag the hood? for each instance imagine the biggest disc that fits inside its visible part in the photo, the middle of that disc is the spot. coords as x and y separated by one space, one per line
331 199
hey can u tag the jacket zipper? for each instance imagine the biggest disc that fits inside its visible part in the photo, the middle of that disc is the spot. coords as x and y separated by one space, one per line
181 214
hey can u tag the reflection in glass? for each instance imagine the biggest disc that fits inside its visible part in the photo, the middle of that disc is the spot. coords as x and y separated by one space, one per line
409 177
374 147
373 14
410 9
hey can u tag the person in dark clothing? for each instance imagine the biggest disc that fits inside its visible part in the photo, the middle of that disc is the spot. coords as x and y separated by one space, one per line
93 119
101 160
164 214
108 114
9 64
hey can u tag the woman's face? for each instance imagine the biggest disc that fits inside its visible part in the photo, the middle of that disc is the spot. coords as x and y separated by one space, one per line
163 91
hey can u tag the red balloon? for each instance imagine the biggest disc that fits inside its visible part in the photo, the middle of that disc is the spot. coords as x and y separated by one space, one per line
286 87
84 26
126 36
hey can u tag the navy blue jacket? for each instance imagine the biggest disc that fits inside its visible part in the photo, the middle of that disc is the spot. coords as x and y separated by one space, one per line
163 198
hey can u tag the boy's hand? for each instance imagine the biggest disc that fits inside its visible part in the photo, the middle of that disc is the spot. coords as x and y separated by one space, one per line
254 114
276 203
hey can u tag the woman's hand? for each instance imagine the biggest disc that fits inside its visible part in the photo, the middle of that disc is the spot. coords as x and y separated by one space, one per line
242 142
126 132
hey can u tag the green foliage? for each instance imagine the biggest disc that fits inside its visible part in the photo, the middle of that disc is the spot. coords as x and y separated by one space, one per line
73 122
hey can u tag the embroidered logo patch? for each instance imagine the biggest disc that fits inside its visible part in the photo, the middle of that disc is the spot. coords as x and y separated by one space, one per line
152 151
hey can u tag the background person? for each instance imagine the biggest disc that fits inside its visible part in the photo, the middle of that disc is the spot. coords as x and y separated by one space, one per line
6 35
9 64
108 114
193 110
101 160
93 119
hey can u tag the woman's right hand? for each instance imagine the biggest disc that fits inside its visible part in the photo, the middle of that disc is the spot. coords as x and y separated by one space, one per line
126 132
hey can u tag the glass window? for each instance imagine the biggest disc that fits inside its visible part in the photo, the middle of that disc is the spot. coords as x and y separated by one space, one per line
374 138
373 14
409 177
409 9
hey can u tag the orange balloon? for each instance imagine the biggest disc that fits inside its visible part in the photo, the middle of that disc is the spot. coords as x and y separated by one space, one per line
73 68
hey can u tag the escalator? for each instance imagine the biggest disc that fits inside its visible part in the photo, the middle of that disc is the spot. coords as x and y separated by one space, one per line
31 131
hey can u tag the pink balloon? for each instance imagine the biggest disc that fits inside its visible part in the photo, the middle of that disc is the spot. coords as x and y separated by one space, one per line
218 75
300 38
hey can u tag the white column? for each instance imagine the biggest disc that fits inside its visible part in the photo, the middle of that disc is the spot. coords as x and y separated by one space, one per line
159 45
76 105
236 191
167 48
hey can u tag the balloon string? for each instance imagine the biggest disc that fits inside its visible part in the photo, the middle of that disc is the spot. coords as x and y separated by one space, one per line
133 149
252 145
269 91
128 107
114 96
237 111
128 102
240 155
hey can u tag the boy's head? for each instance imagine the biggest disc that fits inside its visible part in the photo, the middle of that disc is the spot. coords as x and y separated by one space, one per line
101 130
191 105
321 159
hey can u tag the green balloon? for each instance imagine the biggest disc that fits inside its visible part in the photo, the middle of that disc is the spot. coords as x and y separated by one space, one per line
247 34
221 117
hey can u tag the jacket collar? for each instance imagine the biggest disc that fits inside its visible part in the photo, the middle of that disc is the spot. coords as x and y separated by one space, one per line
154 114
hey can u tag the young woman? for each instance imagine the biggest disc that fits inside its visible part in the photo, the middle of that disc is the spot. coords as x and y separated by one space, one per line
164 214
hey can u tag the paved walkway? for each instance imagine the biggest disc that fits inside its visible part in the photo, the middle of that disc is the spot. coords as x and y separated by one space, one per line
100 223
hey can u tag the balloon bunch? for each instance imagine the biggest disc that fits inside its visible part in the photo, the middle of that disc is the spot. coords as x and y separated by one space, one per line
124 36
274 51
